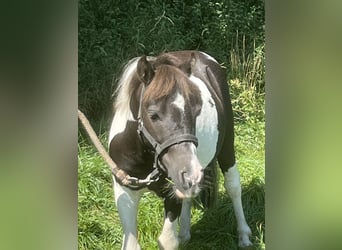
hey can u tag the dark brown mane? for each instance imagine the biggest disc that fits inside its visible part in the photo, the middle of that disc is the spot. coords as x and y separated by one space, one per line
166 80
168 59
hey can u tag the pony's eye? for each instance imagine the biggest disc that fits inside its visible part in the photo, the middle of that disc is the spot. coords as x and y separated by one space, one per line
154 117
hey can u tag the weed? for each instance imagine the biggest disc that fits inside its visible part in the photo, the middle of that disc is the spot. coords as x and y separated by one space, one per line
247 83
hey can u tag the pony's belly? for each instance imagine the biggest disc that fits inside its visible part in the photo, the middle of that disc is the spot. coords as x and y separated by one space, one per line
206 125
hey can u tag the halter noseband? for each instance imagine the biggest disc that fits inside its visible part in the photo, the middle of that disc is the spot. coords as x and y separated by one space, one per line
159 148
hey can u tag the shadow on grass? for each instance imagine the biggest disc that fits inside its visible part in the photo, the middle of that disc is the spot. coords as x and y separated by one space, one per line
217 227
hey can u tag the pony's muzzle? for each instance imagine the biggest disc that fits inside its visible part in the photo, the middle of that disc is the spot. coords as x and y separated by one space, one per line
191 180
184 169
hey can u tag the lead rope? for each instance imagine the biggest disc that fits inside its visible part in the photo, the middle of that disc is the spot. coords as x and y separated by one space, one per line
121 175
124 178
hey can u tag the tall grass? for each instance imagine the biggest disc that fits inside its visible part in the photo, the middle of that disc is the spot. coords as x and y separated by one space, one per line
99 225
247 82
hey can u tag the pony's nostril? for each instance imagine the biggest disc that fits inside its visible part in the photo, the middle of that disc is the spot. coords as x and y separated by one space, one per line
186 180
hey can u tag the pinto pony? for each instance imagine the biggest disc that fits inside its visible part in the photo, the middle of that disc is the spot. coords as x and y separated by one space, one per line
173 120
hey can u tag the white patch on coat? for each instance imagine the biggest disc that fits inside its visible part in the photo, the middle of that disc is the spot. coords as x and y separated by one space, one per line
206 125
168 239
127 202
123 112
179 102
208 57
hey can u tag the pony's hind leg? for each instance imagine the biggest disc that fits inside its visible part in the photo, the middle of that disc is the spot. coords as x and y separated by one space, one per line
127 201
233 187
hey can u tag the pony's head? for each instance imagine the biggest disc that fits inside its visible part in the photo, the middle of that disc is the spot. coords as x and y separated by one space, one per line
169 106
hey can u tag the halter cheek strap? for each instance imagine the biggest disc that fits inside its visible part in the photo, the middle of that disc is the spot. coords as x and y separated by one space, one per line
159 148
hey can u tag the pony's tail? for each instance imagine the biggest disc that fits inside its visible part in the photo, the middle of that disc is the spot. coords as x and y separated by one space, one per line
209 193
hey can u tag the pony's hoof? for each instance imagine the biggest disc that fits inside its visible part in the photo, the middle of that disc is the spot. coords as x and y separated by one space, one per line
245 244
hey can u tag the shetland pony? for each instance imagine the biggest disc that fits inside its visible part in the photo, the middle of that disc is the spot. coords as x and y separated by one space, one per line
173 120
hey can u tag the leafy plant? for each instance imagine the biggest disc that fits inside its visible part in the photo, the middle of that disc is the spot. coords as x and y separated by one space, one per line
112 32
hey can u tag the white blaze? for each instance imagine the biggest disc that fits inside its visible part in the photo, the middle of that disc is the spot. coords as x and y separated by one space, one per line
179 102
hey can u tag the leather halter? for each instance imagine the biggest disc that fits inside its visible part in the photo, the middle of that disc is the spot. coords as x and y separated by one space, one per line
159 148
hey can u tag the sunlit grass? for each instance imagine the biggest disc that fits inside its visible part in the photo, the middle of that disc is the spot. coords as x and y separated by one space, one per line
99 225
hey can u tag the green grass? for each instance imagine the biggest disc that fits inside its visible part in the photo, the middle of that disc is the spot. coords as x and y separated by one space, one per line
99 225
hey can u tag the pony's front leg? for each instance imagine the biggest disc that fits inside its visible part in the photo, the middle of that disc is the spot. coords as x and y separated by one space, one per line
233 187
168 239
127 201
185 221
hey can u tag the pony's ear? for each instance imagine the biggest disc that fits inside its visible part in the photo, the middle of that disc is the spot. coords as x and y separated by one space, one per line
188 65
145 70
192 60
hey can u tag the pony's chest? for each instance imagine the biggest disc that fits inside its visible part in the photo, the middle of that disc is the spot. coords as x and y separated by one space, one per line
206 125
